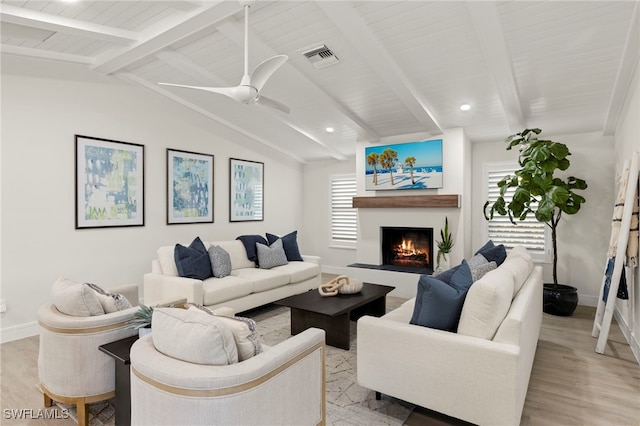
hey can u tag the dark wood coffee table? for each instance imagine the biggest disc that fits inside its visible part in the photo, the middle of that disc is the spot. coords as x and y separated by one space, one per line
119 350
333 313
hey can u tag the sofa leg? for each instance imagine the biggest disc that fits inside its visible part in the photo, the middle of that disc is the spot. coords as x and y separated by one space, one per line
378 396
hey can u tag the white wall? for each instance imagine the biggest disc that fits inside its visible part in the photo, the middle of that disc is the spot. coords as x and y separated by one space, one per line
583 238
627 141
40 115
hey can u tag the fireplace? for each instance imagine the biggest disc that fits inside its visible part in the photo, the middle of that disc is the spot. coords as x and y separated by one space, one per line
407 249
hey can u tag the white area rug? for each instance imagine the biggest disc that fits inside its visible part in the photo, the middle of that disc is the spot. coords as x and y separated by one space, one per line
347 402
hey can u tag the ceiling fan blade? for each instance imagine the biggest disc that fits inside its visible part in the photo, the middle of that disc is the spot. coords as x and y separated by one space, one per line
227 91
244 94
263 100
265 69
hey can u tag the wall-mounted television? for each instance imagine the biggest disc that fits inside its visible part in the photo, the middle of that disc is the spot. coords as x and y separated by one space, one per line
410 165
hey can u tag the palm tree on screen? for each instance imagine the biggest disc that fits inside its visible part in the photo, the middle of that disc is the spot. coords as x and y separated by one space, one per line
410 161
388 160
372 160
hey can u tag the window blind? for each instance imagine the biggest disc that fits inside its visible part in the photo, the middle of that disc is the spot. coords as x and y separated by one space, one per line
529 232
343 215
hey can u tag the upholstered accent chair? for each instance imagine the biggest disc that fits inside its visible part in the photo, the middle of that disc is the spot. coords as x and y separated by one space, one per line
284 384
71 368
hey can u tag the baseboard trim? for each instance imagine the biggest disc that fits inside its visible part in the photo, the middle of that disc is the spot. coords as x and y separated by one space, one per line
626 332
17 332
338 270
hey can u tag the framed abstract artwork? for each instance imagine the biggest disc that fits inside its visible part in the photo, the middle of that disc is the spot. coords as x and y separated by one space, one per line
189 187
246 190
411 165
109 183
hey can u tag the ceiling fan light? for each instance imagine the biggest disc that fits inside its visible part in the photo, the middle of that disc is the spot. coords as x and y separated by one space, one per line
329 129
465 107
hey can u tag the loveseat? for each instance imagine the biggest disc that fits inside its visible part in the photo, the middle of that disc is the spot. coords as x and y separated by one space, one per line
480 373
246 287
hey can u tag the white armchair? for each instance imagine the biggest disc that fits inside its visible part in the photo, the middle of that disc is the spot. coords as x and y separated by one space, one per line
284 385
71 368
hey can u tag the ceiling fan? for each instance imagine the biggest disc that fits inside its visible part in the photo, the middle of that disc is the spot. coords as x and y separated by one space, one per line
248 91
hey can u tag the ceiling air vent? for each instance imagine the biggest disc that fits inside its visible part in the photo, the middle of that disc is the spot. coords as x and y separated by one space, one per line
321 56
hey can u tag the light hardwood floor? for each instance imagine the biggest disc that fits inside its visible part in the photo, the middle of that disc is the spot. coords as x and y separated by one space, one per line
570 383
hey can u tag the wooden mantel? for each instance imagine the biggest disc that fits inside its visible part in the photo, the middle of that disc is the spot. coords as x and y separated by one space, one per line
407 201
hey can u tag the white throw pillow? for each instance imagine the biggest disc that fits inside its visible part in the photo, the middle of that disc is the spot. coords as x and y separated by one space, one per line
520 268
487 304
167 261
111 302
192 337
75 299
244 332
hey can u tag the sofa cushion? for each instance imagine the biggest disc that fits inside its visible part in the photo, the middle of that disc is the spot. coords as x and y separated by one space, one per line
245 332
193 261
193 337
438 304
271 256
298 271
167 261
218 290
290 244
262 279
487 302
249 242
479 266
237 253
220 261
75 299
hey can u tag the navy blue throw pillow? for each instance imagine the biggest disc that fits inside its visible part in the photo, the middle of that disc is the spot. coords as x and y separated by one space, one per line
249 242
495 254
446 275
439 304
290 244
193 261
488 245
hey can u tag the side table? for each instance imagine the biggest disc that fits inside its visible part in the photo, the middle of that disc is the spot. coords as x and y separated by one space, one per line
119 350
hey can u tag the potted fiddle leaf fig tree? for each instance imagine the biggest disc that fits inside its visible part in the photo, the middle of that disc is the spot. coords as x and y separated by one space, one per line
541 192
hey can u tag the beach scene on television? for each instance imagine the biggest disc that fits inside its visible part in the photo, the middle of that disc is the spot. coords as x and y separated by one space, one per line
411 165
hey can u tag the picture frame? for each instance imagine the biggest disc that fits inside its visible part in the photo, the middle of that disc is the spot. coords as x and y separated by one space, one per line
109 183
246 190
409 165
190 187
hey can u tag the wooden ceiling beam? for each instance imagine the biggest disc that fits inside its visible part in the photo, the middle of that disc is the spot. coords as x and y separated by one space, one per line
46 21
353 27
487 25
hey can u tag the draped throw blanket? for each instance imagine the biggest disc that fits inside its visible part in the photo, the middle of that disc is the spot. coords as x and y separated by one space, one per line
631 258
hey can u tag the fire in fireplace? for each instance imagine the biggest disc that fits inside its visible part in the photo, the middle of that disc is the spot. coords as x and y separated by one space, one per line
407 248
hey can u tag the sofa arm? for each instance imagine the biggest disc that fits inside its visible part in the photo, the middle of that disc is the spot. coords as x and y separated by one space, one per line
463 376
159 288
130 291
312 259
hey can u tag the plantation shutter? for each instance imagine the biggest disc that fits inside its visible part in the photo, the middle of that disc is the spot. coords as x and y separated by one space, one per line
529 232
343 215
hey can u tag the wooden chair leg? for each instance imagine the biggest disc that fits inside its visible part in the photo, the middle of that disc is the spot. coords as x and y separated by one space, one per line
48 402
83 413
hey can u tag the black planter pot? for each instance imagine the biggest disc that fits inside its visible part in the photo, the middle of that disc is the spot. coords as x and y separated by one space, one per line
559 300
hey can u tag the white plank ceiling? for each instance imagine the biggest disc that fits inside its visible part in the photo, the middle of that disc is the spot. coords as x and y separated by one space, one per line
405 66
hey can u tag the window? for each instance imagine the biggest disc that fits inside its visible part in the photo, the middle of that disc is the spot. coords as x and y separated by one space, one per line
530 233
344 223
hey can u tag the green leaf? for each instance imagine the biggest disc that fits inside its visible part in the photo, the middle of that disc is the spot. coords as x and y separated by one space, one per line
540 153
558 150
563 164
549 165
545 210
522 195
558 194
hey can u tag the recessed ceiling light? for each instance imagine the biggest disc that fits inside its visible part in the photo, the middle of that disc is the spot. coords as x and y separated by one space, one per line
465 107
329 129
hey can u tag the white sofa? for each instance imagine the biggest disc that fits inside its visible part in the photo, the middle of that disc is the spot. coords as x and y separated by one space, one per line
247 287
479 374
